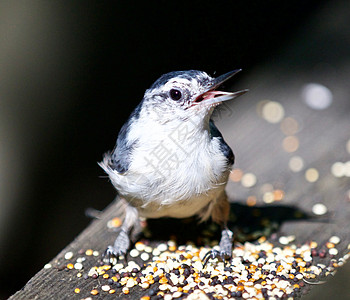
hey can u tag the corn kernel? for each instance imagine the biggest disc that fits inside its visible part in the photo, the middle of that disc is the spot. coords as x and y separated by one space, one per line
94 292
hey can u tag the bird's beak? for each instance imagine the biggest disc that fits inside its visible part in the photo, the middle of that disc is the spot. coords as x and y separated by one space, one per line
212 97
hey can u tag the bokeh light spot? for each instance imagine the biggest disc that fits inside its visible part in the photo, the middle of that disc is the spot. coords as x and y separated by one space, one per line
317 96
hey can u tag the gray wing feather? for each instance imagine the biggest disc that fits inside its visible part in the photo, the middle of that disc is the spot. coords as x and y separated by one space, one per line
225 149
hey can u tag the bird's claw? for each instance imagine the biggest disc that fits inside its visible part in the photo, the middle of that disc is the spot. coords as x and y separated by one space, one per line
225 252
111 254
213 253
120 248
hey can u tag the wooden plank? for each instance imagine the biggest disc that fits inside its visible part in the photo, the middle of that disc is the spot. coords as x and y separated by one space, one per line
258 144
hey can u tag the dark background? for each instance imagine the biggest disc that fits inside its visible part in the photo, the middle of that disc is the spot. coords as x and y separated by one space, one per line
70 74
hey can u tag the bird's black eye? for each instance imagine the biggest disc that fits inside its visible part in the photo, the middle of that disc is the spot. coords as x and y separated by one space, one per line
175 94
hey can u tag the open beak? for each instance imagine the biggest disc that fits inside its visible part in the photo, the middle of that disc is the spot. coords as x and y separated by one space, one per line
212 97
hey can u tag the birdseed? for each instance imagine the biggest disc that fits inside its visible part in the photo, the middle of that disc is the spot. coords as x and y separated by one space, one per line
134 253
333 251
89 252
94 292
105 288
78 266
114 223
334 240
68 255
262 269
145 256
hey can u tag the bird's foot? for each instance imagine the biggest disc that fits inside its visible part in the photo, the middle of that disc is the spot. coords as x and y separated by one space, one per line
120 247
213 253
225 252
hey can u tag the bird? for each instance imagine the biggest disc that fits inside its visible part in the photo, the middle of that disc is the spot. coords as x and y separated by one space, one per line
170 159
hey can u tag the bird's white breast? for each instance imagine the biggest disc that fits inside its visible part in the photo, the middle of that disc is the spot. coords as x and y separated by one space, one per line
175 172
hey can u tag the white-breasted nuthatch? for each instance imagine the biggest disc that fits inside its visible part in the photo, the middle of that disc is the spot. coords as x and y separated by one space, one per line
170 160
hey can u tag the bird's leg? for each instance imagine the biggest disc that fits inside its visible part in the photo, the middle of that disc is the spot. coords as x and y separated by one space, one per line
226 242
225 245
122 242
220 214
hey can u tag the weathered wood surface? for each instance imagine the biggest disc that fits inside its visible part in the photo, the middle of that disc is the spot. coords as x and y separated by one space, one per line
322 137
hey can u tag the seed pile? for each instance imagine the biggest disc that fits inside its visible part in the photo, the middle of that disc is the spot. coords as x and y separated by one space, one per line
259 270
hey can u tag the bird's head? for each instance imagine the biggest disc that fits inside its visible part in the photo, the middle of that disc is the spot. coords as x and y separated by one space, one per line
187 94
